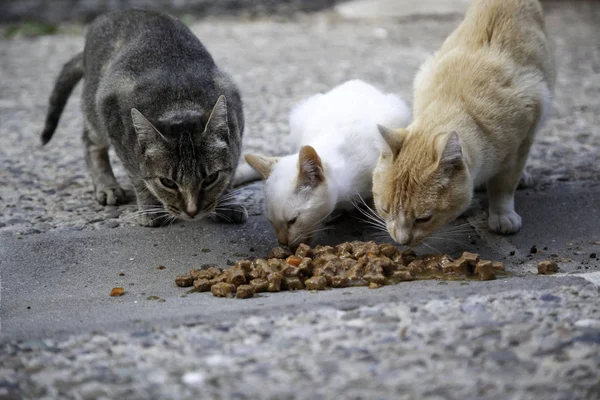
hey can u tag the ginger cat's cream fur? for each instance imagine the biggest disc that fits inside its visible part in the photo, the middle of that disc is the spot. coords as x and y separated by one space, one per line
477 105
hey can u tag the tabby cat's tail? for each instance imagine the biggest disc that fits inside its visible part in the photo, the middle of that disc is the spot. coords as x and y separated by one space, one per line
71 73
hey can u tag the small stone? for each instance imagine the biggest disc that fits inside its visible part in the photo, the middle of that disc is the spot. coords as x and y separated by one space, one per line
593 255
533 249
547 267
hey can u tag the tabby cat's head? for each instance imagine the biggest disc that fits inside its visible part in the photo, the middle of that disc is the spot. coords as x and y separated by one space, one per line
420 183
186 162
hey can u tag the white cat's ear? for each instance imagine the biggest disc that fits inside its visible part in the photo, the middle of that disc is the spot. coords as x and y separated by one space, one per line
393 139
217 121
146 132
262 164
310 168
452 155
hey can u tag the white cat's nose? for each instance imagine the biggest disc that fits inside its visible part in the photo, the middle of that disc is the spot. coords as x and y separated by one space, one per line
403 236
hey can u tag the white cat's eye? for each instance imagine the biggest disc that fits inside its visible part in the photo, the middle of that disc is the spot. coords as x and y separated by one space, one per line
168 183
210 179
292 221
423 219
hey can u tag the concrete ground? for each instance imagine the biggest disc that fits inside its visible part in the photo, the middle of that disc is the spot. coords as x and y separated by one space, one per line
521 337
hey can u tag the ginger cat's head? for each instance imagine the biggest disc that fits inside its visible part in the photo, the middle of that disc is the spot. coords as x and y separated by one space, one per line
297 194
421 183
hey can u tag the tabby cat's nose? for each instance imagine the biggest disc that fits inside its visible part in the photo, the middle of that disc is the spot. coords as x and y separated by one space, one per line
192 212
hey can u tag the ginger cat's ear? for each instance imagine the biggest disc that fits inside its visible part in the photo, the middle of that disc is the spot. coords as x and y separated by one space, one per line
452 155
310 168
393 138
262 164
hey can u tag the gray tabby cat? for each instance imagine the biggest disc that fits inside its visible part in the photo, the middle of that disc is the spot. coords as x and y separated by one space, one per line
153 91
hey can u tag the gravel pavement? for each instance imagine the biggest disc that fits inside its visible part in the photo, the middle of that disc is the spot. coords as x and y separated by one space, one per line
526 337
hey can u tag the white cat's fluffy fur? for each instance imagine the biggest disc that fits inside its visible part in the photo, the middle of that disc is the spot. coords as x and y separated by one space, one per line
337 140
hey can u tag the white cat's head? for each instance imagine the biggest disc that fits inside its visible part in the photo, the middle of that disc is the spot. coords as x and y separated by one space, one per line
296 192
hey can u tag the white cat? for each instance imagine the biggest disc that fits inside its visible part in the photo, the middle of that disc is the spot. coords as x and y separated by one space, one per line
338 141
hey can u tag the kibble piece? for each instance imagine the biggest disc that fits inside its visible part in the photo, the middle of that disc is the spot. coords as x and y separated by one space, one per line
260 285
276 264
117 291
323 250
547 267
202 285
471 258
290 270
382 261
261 269
497 265
389 250
360 249
329 269
416 266
303 250
306 267
293 260
460 267
404 258
402 276
343 248
184 280
244 291
316 283
374 285
485 271
323 259
223 289
279 252
339 281
209 273
274 280
221 278
292 283
237 276
244 265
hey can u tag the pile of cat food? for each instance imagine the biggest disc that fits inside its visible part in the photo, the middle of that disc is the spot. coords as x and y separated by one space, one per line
348 264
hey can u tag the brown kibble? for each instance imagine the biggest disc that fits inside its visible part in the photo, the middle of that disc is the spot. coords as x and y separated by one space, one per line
276 264
117 291
237 276
360 249
221 278
261 269
402 276
471 258
244 291
223 289
184 280
485 271
290 270
202 285
274 280
293 260
316 283
209 273
343 249
303 250
374 285
244 265
160 267
547 267
460 267
417 266
306 267
339 281
321 260
389 250
497 266
292 283
279 252
260 285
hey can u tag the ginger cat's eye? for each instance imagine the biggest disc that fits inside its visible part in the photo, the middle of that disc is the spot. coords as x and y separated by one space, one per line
168 183
292 221
423 220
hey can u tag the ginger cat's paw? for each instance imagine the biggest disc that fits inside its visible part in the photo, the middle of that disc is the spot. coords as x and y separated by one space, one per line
526 181
110 195
505 224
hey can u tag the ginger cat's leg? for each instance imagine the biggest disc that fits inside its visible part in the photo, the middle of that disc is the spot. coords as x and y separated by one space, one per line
106 188
501 192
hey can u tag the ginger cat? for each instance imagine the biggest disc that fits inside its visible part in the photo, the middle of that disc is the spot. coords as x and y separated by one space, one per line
337 140
478 103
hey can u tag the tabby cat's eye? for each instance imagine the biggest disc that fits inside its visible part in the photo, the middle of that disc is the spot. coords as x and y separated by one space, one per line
168 183
423 220
210 179
292 221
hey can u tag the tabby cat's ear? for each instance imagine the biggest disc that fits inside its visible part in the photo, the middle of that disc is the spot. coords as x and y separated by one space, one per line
310 168
393 139
146 132
217 121
262 164
451 155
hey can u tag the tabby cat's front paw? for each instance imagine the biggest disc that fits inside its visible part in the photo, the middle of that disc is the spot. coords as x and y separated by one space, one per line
505 224
110 195
233 214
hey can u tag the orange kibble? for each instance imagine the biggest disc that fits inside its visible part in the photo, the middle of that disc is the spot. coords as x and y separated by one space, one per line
293 260
117 291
